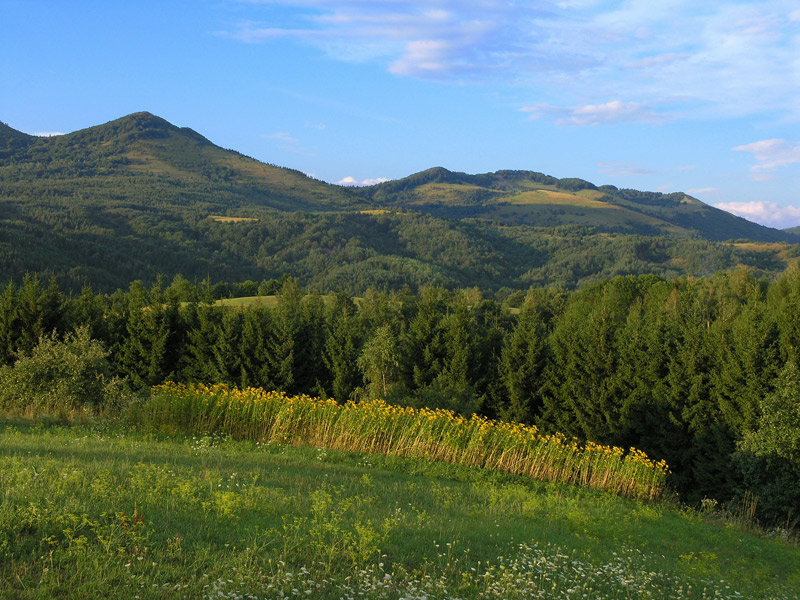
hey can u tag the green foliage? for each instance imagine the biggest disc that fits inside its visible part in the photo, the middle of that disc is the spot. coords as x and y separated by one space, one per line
522 365
341 350
60 377
379 361
769 455
150 350
778 429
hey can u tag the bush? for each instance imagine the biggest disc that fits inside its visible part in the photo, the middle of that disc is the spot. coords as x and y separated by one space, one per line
769 457
61 377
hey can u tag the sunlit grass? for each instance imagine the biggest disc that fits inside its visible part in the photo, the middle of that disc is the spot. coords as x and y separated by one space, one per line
377 427
98 512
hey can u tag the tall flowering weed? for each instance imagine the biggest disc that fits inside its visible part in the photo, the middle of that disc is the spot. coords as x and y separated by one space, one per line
377 427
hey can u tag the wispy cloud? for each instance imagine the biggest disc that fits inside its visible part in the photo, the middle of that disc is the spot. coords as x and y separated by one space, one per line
765 213
619 168
282 136
725 58
352 181
703 191
439 39
291 143
769 156
610 113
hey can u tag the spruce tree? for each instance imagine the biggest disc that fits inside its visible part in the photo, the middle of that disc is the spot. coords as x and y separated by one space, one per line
254 349
341 352
227 360
522 364
9 324
198 360
152 346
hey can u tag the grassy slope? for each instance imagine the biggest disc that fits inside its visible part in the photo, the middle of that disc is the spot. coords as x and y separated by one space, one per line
549 202
230 517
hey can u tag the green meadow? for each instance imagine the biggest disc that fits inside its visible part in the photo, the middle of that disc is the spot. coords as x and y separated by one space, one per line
103 510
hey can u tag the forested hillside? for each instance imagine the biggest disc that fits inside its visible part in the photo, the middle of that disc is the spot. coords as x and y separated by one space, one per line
530 198
138 197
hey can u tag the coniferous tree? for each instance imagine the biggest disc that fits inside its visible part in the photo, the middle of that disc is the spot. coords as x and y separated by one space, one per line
310 371
455 384
284 339
650 418
39 310
9 324
151 348
747 364
784 299
522 365
703 466
254 350
585 393
425 340
342 349
202 322
227 357
90 310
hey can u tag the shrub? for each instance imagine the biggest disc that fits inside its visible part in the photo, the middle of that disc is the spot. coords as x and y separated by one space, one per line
769 457
61 377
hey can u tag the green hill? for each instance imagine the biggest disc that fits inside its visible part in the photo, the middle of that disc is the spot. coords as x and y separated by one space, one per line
143 153
530 198
138 197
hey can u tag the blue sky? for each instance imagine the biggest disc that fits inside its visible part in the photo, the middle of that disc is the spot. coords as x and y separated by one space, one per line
660 95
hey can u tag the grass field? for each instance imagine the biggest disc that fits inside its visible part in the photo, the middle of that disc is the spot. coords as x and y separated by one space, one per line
102 511
379 428
556 198
224 219
248 301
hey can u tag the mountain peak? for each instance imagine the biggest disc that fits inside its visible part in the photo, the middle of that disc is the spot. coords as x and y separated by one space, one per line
8 135
133 127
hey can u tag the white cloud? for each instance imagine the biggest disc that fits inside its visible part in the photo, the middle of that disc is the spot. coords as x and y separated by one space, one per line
423 56
47 133
352 181
719 59
771 154
610 113
765 213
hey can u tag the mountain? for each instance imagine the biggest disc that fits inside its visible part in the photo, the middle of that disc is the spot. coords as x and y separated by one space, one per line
530 198
178 163
138 196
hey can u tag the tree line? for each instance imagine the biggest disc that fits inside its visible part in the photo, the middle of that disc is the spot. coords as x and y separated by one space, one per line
700 372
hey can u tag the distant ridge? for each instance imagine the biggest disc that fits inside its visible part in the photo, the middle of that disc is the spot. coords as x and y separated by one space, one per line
517 197
139 196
